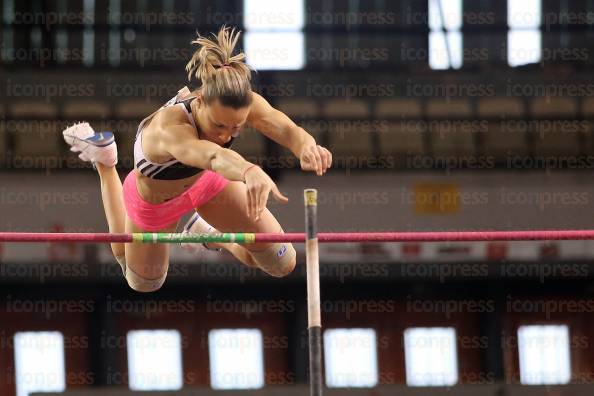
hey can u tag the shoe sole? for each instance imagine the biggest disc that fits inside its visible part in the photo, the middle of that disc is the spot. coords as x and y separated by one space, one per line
71 137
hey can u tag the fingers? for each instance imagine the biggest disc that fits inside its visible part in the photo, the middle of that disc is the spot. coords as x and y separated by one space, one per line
262 199
318 159
251 202
318 162
278 196
257 199
326 158
309 162
329 157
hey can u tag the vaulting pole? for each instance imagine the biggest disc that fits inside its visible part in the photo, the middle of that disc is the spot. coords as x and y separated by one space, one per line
314 320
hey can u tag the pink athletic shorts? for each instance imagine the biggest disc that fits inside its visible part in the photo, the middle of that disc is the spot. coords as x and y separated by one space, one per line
155 217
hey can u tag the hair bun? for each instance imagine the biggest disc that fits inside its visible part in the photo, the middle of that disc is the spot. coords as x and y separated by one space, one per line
216 53
224 76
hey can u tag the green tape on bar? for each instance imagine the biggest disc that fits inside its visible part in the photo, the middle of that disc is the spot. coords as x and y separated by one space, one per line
153 237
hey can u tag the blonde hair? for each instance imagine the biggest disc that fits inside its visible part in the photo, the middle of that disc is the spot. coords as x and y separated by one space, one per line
223 76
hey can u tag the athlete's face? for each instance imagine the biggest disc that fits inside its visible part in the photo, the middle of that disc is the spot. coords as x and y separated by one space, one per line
220 122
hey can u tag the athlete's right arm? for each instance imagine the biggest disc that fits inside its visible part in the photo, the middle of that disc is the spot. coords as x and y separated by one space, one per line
180 141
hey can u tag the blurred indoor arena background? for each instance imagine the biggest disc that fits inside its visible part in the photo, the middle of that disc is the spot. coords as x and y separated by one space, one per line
441 115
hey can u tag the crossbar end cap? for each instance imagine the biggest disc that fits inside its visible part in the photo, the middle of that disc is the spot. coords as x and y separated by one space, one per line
310 196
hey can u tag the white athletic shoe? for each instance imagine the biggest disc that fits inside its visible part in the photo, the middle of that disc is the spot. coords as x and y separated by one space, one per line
93 147
197 225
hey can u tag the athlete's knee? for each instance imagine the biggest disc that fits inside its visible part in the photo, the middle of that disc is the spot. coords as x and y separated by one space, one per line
278 260
137 282
118 251
142 284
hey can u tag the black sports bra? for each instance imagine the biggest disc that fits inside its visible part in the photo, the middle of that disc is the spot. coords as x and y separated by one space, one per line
172 169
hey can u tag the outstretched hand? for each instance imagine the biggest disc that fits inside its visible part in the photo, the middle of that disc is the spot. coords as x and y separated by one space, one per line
259 185
315 158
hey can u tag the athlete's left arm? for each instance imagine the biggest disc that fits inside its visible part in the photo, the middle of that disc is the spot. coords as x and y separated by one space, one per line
280 128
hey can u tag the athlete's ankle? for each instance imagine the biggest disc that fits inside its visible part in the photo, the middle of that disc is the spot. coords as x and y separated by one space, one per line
215 245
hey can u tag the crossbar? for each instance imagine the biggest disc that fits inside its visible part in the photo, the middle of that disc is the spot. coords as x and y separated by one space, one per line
323 237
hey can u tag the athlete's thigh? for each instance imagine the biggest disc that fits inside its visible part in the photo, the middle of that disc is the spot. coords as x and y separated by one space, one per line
148 260
228 212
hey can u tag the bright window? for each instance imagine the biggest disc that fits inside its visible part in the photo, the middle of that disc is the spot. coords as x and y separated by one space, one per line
430 356
285 15
445 49
350 357
544 354
524 36
236 358
266 51
274 37
154 360
39 362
